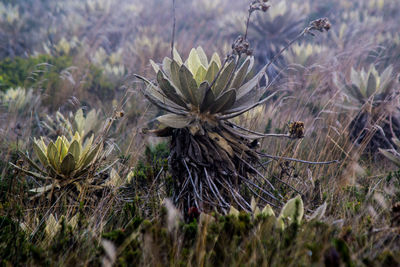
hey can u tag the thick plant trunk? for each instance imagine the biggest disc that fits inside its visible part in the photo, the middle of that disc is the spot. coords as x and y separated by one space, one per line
214 169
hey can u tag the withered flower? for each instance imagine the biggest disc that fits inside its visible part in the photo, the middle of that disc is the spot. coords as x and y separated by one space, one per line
241 46
259 5
321 25
296 129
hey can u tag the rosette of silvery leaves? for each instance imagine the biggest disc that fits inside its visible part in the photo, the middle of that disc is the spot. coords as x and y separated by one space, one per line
212 161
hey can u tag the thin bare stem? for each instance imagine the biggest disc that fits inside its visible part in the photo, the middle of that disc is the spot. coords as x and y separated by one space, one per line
320 25
286 47
255 193
233 193
230 116
280 180
161 105
298 160
259 188
173 29
261 135
214 189
186 182
197 196
260 174
247 25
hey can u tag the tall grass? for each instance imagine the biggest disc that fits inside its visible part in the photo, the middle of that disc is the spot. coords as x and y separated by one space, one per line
130 223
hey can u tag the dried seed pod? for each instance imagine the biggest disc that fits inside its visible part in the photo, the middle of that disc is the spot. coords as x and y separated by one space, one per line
321 25
296 129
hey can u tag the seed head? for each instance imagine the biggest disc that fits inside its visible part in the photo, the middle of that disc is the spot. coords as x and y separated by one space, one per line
296 129
321 25
241 46
260 5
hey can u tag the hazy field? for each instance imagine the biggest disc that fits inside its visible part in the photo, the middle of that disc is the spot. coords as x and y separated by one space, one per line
86 93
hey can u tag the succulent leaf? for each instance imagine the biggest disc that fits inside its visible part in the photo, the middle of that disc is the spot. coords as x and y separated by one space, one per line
75 150
175 121
193 61
200 75
385 77
40 153
234 212
216 59
53 156
42 145
85 161
177 57
202 56
175 78
67 165
247 100
241 74
204 86
371 85
268 211
355 92
79 120
251 84
355 77
156 68
61 148
319 213
224 78
154 92
224 102
166 66
87 146
188 85
90 122
208 100
64 158
211 72
293 210
169 90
